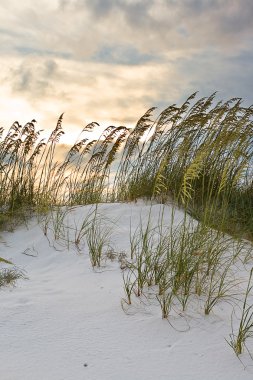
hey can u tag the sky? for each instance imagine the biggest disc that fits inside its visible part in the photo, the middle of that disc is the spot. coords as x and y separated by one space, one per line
109 61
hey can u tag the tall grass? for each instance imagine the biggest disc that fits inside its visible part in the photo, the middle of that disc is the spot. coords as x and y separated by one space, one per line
198 154
31 178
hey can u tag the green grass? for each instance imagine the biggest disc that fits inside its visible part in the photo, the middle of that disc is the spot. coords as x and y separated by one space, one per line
183 262
245 331
198 154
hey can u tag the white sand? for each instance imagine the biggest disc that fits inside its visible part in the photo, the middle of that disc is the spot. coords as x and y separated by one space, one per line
66 321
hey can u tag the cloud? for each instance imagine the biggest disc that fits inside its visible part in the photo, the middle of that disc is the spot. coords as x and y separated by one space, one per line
81 29
32 77
211 71
156 24
127 55
86 92
109 61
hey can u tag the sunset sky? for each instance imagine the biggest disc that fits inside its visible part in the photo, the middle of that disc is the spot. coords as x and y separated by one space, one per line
109 61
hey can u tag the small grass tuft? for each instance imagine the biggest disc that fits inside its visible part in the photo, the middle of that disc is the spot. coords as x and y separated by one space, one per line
9 276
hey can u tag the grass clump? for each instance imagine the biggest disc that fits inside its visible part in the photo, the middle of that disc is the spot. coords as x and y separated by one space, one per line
98 240
185 262
245 331
9 276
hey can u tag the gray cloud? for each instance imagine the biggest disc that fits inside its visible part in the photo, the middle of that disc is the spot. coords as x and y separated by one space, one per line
34 79
210 71
126 55
100 8
238 17
80 29
229 16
